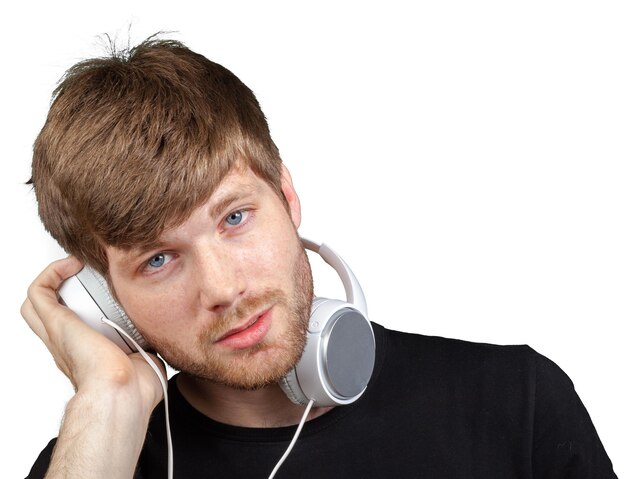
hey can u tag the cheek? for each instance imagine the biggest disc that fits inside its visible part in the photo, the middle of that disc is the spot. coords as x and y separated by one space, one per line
274 258
155 311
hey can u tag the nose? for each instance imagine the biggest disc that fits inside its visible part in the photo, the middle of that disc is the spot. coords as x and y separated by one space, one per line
220 279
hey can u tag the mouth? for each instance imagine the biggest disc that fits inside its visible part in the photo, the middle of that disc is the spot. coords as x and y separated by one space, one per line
249 334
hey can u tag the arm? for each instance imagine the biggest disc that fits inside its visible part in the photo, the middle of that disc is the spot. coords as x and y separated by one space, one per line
105 423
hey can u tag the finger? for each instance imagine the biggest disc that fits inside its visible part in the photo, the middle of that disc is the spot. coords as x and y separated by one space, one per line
56 272
42 292
34 322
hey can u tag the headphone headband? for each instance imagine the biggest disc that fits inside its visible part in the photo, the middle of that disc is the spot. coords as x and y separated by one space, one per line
354 293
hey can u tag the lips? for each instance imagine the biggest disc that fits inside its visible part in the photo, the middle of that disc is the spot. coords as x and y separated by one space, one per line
248 334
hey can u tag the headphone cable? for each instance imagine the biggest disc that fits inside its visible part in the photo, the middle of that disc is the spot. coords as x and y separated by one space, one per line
293 441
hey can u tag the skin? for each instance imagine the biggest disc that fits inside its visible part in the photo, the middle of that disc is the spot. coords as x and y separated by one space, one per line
173 295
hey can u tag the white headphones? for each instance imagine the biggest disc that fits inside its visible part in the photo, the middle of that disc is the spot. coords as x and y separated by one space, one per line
338 358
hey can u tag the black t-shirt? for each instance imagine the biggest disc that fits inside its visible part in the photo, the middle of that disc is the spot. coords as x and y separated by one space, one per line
435 408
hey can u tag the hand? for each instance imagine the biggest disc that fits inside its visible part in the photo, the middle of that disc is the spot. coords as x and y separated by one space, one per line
88 359
115 393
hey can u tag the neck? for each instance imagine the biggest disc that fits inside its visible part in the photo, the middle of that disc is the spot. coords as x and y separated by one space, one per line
265 407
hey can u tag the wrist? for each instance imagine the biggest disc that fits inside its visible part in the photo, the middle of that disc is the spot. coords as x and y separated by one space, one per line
115 401
101 436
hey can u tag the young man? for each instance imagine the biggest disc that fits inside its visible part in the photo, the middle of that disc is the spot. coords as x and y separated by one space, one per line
156 168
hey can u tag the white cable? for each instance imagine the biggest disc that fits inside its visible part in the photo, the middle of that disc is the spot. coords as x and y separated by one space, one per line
293 441
152 364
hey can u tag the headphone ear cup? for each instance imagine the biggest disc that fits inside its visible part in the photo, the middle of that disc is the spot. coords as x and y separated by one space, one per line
98 289
88 295
338 359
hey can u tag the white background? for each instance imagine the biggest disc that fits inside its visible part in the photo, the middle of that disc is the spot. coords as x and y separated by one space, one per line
466 159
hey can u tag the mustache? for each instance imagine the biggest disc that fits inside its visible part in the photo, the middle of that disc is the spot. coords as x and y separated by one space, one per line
239 312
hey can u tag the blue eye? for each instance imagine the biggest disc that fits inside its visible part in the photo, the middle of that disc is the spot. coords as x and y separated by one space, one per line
157 260
234 218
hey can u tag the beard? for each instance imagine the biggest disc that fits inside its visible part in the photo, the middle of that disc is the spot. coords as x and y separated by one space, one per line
266 362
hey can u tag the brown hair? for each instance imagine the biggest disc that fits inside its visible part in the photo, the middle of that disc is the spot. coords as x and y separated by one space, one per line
134 142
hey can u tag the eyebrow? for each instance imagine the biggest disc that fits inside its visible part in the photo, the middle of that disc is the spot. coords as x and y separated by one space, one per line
133 254
229 197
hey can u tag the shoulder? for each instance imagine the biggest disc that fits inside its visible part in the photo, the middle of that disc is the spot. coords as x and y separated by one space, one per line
445 354
461 374
472 374
519 363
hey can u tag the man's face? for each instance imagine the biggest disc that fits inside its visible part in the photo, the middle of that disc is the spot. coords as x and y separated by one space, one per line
226 295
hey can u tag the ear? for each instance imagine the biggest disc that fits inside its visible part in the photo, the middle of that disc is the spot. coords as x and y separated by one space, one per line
291 196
